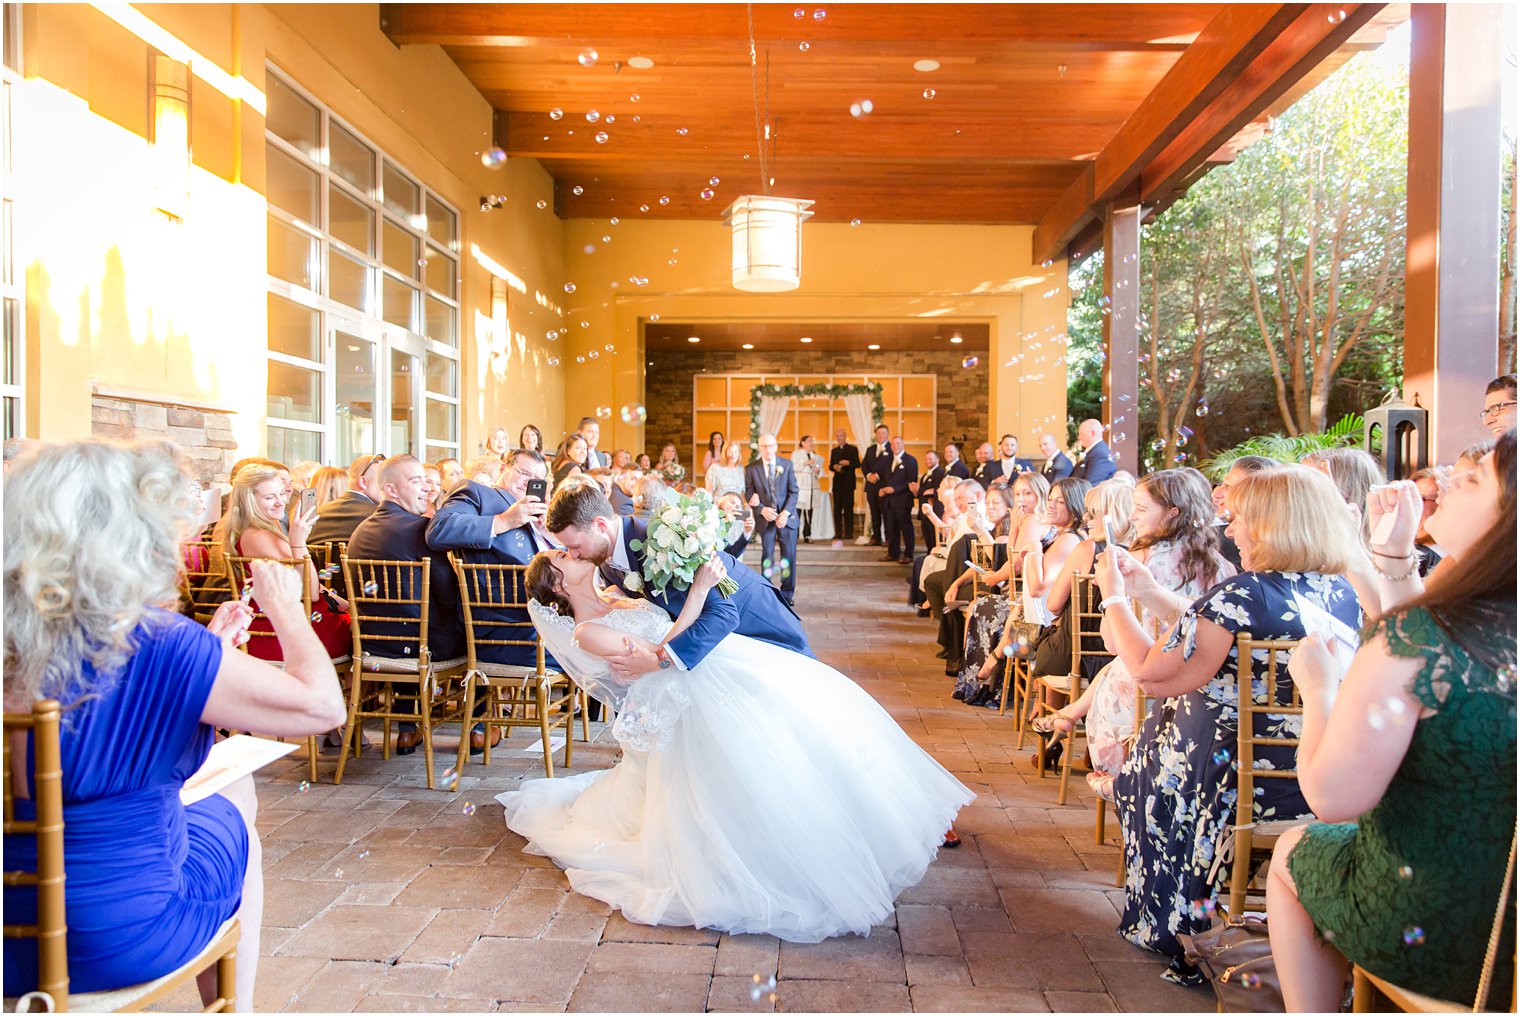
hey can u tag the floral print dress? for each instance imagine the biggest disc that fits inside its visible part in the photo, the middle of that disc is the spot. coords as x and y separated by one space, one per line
1175 795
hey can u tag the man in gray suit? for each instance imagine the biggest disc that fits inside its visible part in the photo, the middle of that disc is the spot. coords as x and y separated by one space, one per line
770 487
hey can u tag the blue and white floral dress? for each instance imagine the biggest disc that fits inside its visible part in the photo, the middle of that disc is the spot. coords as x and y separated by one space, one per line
1175 795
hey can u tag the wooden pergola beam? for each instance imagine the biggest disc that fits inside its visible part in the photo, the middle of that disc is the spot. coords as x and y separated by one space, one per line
1227 46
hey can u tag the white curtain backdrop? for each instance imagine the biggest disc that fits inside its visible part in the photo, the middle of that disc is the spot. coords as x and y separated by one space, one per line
858 408
772 413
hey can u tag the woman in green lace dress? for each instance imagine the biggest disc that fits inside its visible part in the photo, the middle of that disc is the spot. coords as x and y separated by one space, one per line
1413 754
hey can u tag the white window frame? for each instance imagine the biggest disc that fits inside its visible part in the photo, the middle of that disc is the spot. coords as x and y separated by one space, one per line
13 282
368 322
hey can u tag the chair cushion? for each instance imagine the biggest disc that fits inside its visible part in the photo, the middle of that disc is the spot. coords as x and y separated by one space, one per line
407 664
123 999
516 671
1057 682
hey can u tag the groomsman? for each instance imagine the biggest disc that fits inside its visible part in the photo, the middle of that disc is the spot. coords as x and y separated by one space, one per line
926 489
875 463
986 470
844 460
1057 465
1097 462
896 499
1006 466
954 464
770 487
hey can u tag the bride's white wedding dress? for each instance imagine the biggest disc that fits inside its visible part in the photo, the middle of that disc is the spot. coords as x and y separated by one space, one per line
760 792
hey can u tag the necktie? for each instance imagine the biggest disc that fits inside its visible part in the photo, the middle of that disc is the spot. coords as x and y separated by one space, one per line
773 472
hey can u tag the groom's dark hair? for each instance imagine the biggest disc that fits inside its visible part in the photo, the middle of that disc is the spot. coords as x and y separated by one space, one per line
576 505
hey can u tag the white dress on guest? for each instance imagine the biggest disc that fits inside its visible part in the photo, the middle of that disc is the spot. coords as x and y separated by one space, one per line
760 792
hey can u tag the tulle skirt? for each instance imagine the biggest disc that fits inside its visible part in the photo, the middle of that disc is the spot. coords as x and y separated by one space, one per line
781 799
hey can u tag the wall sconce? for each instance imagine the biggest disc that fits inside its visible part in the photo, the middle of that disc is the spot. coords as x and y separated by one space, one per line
170 148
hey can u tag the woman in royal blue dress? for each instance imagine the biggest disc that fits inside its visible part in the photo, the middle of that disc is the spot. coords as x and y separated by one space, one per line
92 563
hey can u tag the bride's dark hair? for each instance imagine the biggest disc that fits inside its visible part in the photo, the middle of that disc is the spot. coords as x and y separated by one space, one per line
543 581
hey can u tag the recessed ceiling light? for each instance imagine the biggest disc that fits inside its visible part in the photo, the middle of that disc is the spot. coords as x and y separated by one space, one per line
926 65
640 63
955 339
873 346
693 338
748 345
804 339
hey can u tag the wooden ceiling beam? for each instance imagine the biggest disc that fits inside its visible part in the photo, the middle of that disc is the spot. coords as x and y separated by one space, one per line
1121 26
1066 217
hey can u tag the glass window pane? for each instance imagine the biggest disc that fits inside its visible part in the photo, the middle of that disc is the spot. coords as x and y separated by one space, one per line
355 361
401 195
440 272
294 445
350 158
442 224
403 401
442 420
295 393
294 119
399 301
12 415
436 453
292 186
440 322
349 221
347 280
292 253
294 330
11 361
399 250
442 375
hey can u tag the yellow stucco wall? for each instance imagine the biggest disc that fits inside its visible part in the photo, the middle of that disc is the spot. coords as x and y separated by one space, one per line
870 272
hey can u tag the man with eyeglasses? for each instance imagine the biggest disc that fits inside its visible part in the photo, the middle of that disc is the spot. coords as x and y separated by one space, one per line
1499 405
342 515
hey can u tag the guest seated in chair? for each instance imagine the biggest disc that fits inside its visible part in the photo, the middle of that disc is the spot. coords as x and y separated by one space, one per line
1175 795
92 565
337 518
1408 759
397 531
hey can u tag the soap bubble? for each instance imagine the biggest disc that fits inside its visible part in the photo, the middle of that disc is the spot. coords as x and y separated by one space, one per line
820 14
1202 910
1406 873
604 412
609 118
588 57
799 13
610 348
682 131
643 208
639 280
713 181
1414 935
303 787
553 361
363 854
592 116
707 193
542 204
607 238
1202 408
371 588
1222 757
970 362
593 354
804 46
569 287
613 221
590 248
633 413
1046 263
316 616
854 223
577 190
469 808
929 93
664 199
556 113
601 137
1250 981
493 158
861 108
580 359
1158 445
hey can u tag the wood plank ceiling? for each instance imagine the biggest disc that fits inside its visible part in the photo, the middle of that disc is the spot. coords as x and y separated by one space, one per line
1023 102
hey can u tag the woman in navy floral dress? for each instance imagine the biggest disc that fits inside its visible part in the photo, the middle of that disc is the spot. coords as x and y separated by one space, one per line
1175 796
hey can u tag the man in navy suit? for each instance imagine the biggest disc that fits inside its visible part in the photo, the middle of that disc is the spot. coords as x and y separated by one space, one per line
926 491
770 487
877 456
954 464
901 469
1005 466
1057 465
583 520
1097 464
497 525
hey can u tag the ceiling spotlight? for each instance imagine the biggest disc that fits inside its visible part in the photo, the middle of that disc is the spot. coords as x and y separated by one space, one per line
640 63
926 65
748 345
804 339
873 346
956 339
693 338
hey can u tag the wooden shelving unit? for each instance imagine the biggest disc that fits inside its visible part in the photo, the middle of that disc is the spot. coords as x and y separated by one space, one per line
721 402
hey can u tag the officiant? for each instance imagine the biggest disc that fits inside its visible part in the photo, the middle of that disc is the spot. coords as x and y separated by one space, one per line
844 461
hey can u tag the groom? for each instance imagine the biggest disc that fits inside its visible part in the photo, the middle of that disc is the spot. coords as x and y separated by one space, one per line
585 522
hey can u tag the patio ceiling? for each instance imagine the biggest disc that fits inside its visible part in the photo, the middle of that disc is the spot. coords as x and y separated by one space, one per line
1036 113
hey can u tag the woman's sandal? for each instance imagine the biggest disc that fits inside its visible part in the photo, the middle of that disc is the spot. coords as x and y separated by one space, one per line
1049 723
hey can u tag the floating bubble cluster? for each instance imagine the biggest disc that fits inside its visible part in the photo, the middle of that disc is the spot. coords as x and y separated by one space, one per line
861 108
493 158
970 362
1414 935
633 413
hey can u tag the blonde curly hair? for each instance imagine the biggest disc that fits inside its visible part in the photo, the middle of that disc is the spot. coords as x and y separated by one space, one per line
93 534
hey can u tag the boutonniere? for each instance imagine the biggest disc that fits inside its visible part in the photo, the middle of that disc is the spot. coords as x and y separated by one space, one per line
633 582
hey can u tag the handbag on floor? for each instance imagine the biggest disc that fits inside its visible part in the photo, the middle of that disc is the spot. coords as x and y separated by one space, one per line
1236 957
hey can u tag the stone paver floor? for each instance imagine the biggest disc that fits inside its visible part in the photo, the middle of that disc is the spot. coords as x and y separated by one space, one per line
382 895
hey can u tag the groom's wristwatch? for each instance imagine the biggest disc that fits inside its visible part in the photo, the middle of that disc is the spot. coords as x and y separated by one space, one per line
664 657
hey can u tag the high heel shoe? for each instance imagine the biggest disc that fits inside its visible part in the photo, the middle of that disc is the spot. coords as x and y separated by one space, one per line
1052 755
1049 723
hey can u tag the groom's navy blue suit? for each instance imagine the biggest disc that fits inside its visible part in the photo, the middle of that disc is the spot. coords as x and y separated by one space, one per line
756 610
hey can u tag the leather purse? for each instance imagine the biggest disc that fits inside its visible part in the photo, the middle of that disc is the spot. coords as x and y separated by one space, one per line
1236 957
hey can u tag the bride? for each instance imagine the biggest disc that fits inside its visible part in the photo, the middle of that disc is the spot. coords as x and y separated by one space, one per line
759 792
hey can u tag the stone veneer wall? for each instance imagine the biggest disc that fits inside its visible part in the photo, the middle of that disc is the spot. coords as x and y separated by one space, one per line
961 409
204 434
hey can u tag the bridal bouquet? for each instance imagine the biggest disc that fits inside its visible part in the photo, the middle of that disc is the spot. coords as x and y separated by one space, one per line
683 534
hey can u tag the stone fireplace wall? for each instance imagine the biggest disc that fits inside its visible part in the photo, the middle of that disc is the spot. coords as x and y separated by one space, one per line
204 434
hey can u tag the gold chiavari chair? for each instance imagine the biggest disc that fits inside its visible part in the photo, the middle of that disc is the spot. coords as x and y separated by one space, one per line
1254 840
1086 642
51 927
382 597
517 695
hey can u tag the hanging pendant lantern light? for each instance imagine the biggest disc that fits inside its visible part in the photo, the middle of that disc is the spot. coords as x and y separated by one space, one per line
767 230
767 242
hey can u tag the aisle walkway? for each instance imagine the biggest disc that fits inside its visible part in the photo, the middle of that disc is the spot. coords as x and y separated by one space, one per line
385 896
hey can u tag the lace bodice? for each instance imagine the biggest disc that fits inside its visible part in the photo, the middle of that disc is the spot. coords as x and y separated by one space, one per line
644 620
